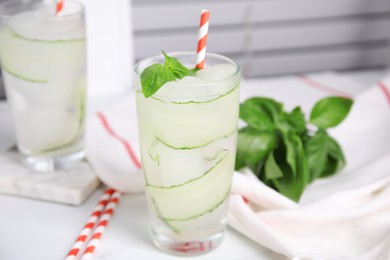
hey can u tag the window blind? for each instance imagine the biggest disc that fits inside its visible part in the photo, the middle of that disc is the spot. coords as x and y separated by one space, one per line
271 37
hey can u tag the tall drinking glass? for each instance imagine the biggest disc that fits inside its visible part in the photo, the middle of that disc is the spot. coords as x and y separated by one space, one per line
188 135
43 61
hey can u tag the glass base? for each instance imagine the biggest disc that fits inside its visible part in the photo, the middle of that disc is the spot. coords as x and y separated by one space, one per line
187 248
53 163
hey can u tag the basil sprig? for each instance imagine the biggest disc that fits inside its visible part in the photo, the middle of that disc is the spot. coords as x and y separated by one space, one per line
280 149
156 75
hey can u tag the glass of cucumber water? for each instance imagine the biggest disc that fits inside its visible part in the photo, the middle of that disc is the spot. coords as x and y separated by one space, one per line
188 131
43 61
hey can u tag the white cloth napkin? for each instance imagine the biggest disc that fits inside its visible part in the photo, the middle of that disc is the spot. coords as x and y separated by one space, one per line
343 217
346 216
112 146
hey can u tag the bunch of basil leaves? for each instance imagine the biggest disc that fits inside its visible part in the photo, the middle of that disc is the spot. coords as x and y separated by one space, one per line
281 150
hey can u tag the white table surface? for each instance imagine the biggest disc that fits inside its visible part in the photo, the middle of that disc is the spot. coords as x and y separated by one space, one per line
36 230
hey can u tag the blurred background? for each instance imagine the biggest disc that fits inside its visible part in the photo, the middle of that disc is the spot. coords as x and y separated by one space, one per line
269 37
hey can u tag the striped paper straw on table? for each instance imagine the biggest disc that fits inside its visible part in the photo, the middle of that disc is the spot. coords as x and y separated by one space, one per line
89 226
109 210
202 39
59 6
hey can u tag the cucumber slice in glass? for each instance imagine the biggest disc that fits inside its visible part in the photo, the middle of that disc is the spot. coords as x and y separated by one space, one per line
164 166
189 125
81 98
195 197
56 58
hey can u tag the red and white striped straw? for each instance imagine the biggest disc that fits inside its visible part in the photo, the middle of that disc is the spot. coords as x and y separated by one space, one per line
59 6
89 226
101 226
202 39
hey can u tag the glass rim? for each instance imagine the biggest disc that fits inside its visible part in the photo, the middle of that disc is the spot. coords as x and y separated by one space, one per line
10 3
193 54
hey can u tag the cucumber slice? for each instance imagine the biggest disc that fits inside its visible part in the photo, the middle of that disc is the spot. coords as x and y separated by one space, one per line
14 34
39 60
31 80
35 107
196 197
164 166
81 117
208 222
189 125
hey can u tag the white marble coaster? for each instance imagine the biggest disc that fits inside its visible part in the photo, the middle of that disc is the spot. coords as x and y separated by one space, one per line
68 187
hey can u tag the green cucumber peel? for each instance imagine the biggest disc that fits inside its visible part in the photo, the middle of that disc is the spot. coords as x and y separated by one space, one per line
200 214
236 88
198 146
165 221
170 222
16 75
79 128
156 75
156 192
192 180
73 40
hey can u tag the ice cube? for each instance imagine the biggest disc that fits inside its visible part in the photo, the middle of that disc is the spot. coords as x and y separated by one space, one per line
208 84
217 72
184 90
43 24
189 80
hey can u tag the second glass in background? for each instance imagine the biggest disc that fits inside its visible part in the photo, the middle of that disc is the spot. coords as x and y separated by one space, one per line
43 60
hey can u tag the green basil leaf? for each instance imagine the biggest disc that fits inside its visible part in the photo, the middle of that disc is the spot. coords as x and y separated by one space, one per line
293 162
178 70
269 108
317 150
240 161
296 120
253 146
154 77
257 168
331 167
255 117
271 168
290 141
336 160
329 112
325 156
286 185
281 152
